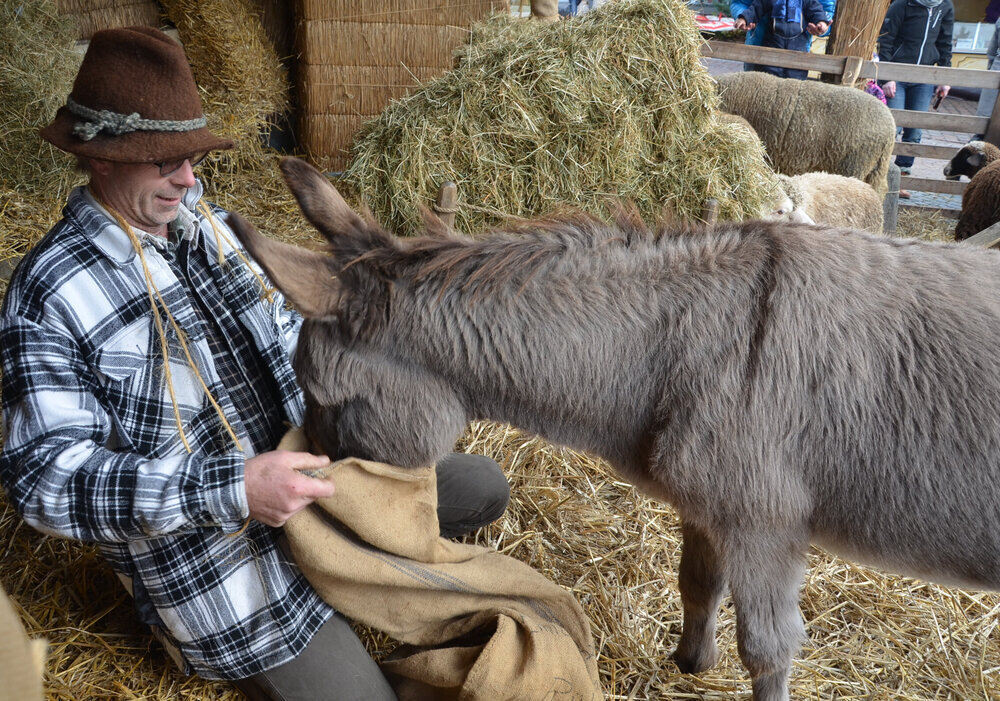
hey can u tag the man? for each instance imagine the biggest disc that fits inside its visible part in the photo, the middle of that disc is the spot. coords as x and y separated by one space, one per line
915 31
147 381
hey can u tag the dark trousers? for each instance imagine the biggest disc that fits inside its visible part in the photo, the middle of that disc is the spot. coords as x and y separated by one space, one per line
472 492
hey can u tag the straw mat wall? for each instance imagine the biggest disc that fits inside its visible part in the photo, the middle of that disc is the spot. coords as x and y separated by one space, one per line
357 56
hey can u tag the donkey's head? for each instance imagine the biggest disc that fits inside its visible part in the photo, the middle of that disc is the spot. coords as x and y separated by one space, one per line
364 396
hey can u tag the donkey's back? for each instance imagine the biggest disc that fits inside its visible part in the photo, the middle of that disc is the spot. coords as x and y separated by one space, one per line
878 391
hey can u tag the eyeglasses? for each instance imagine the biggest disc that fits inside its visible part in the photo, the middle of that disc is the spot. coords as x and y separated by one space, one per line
171 167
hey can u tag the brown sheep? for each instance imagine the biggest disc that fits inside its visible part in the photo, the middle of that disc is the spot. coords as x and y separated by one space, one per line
980 202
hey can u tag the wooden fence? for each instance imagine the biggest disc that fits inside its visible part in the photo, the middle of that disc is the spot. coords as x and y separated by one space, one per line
847 70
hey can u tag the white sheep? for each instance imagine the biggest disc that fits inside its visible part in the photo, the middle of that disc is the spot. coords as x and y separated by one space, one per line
828 199
809 126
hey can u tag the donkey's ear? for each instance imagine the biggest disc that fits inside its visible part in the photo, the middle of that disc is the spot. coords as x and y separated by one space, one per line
320 202
303 276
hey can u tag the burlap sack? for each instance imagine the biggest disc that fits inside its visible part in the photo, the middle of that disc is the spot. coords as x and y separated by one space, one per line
477 624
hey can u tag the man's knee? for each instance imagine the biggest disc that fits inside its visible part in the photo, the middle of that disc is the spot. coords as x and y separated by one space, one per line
472 492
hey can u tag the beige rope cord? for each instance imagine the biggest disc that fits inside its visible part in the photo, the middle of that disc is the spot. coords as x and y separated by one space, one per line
154 296
219 237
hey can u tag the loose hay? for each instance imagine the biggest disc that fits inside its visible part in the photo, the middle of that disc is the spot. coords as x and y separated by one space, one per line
615 104
872 636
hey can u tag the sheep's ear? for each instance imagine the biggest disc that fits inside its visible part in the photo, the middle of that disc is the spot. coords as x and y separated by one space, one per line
303 276
975 159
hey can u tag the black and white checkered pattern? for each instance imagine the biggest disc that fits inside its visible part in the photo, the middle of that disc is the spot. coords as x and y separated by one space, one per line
92 448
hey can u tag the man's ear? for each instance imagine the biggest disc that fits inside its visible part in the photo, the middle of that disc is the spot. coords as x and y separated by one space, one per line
305 277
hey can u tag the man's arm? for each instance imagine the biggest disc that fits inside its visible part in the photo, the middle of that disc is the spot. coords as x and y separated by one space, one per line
943 42
64 481
888 38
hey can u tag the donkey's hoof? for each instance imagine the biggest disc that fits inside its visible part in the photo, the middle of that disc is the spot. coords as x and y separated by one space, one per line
695 661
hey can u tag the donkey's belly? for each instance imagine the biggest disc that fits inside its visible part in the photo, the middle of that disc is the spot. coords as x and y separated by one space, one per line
962 562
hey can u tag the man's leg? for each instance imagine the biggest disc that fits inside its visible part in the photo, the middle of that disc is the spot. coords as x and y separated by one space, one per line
334 665
472 492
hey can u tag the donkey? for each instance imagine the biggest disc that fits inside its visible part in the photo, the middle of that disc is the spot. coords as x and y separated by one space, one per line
778 384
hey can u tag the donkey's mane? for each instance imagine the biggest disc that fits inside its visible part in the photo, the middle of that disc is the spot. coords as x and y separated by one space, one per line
514 254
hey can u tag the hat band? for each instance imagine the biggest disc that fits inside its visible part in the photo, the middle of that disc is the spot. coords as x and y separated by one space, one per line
96 121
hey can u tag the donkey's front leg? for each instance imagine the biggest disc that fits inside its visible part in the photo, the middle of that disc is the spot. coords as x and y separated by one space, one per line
701 582
765 571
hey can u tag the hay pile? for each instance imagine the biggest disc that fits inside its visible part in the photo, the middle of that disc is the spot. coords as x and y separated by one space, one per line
536 115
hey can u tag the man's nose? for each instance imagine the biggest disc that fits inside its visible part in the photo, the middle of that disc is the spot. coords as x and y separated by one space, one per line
183 176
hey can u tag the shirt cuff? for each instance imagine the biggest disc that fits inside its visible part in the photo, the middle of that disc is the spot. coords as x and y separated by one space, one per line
224 491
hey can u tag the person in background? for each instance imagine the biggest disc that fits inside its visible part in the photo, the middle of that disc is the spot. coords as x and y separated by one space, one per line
919 32
787 25
755 37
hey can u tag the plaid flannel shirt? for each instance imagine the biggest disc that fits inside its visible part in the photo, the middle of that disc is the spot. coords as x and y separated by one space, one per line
92 447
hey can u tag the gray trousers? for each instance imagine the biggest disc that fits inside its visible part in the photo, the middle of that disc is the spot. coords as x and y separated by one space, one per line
472 492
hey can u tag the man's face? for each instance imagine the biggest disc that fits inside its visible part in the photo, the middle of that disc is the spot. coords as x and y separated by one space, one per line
139 193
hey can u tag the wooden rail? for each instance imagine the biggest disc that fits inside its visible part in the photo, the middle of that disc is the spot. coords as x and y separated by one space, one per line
850 69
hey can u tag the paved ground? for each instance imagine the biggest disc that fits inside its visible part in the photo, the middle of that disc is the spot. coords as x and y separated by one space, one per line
922 167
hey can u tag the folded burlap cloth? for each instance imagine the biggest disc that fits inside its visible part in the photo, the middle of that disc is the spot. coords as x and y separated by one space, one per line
22 661
476 624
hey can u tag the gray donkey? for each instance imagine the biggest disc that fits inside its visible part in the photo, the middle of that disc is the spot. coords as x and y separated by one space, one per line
778 384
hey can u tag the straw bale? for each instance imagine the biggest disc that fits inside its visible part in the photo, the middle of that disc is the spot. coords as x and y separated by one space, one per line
329 130
615 104
364 90
434 12
36 72
93 16
373 44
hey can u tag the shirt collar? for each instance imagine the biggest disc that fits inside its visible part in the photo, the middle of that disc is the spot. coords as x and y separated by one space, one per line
98 224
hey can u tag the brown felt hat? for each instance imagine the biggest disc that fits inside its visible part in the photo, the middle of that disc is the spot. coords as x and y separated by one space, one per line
134 101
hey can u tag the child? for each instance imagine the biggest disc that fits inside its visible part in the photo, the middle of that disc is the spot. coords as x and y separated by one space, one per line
790 24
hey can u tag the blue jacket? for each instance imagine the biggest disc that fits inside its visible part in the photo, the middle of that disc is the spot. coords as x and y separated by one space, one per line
756 36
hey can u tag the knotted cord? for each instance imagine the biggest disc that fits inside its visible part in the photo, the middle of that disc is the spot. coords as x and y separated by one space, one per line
116 123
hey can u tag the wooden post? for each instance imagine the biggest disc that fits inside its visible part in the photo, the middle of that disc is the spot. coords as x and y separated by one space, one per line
856 26
710 212
852 69
447 203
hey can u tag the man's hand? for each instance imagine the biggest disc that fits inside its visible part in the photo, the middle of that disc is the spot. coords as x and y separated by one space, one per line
276 490
741 24
818 28
942 90
889 88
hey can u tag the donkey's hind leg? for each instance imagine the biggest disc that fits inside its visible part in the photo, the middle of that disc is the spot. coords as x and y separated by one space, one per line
765 572
702 584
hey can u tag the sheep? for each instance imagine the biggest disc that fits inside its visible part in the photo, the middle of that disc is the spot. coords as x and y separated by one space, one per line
828 199
808 126
980 202
970 159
